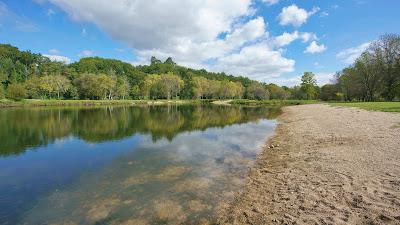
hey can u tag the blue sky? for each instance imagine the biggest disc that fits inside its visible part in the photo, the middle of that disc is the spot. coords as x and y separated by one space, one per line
265 40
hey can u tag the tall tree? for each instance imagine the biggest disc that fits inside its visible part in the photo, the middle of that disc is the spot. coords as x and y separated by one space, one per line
368 70
123 87
308 84
172 84
387 53
257 91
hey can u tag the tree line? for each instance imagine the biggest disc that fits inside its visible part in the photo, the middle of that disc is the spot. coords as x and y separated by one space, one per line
24 74
374 76
28 75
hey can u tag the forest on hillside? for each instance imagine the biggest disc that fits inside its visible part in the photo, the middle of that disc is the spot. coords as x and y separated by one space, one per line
375 75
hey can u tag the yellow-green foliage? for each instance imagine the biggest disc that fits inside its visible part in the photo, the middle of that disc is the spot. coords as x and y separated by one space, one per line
16 92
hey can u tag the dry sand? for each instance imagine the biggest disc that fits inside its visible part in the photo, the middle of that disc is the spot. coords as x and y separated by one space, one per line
333 165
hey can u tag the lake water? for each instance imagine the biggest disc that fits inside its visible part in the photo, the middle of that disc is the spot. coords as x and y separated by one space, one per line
133 165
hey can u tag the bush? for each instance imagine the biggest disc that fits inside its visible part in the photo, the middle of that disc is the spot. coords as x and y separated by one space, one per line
16 92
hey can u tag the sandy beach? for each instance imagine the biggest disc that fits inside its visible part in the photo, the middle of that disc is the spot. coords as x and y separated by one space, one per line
325 165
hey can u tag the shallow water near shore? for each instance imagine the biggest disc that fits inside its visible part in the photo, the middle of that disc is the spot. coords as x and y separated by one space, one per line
126 165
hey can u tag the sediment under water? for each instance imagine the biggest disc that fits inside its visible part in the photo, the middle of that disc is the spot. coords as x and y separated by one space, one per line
133 165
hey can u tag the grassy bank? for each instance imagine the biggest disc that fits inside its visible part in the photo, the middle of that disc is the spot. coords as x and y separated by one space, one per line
375 106
272 102
36 103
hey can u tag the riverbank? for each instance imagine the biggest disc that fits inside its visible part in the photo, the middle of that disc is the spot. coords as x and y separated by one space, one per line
37 103
325 165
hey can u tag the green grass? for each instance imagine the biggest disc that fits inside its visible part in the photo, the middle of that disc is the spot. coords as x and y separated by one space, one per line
375 106
272 102
35 103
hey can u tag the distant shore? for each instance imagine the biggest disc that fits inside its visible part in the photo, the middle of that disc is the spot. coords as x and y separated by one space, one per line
41 103
325 165
242 102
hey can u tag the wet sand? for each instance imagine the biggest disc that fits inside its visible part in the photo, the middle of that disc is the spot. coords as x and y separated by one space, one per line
328 165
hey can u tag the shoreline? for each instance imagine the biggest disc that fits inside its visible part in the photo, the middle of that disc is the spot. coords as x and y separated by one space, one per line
228 102
328 165
61 103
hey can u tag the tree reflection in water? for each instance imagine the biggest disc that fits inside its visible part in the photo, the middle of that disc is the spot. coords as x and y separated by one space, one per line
33 127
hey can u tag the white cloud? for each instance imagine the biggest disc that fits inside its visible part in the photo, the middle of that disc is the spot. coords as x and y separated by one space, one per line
287 38
324 78
350 55
58 58
257 62
54 51
321 77
196 33
270 2
144 24
285 81
191 53
86 53
315 48
295 16
308 36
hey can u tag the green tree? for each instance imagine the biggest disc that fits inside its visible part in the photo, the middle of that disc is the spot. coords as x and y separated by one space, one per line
3 76
171 84
33 87
88 87
2 92
308 85
72 93
16 92
170 61
386 52
148 85
257 91
135 92
200 85
154 60
123 87
367 69
107 85
329 92
277 92
61 85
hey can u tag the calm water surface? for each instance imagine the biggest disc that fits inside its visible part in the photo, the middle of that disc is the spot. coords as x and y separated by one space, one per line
132 165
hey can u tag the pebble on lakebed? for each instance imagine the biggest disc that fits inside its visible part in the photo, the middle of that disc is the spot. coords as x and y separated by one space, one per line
273 146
